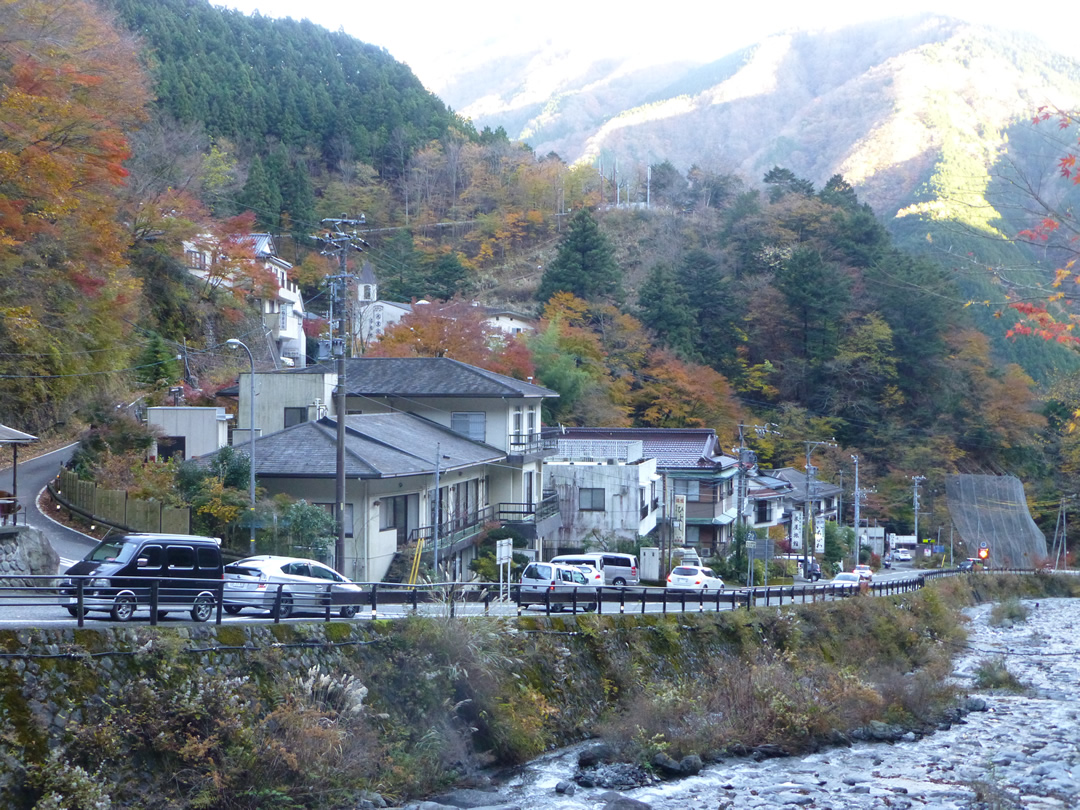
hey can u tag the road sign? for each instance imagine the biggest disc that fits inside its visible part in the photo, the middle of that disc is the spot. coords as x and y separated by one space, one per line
984 544
751 543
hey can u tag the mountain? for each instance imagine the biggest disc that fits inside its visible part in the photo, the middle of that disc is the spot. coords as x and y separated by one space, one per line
880 103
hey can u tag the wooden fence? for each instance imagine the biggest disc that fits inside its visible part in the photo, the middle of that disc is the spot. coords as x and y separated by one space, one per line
114 507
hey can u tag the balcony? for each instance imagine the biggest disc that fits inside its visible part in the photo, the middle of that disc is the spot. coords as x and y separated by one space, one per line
456 533
530 446
530 519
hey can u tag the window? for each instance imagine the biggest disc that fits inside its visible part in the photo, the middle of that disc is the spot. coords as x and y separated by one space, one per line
329 507
691 489
762 513
530 421
196 259
591 499
471 424
153 555
295 416
181 557
517 420
393 513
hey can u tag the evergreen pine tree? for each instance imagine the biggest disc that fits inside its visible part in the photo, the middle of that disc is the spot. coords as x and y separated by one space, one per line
261 196
665 308
585 264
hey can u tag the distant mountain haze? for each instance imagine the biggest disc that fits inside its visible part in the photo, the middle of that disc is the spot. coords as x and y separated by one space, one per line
876 102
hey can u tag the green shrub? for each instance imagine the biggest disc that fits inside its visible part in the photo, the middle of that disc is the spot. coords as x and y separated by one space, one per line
991 673
1011 611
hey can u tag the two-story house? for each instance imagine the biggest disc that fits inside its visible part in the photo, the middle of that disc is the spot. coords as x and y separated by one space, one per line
607 490
282 312
493 411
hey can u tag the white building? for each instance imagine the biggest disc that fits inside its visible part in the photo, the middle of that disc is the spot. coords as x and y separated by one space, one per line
607 489
282 312
188 431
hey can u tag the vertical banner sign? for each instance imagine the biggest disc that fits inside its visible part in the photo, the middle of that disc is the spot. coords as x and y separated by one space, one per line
819 536
678 521
796 531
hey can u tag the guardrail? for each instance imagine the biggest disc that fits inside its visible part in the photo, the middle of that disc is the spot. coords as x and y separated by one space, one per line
208 599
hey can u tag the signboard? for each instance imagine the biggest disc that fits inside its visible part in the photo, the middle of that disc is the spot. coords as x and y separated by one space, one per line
819 537
504 551
751 543
678 520
796 531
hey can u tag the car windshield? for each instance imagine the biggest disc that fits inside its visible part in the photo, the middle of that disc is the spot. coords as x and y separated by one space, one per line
112 551
685 571
845 578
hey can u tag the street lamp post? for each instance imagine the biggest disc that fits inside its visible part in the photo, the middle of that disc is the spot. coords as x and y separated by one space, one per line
251 443
809 535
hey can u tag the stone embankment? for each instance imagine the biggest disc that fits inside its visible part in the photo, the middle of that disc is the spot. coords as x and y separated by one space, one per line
1008 750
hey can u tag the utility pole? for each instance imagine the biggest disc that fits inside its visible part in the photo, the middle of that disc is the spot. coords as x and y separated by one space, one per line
916 480
335 240
858 497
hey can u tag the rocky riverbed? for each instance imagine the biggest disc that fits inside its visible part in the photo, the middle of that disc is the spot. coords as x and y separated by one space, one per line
1015 750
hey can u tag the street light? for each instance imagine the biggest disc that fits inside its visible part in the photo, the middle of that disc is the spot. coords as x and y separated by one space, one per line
251 444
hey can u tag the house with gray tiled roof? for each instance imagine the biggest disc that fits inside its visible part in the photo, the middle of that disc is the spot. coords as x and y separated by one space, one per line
392 464
471 403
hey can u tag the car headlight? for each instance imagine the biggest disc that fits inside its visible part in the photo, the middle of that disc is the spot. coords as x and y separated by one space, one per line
99 583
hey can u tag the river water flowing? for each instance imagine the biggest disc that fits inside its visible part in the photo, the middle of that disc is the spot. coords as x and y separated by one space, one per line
1023 752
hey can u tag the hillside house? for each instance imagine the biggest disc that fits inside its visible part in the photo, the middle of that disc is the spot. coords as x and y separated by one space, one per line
282 313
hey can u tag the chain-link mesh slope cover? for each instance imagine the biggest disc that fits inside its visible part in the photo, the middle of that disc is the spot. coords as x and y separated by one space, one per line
993 509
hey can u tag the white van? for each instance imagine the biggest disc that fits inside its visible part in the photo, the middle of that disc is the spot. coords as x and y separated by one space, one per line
617 568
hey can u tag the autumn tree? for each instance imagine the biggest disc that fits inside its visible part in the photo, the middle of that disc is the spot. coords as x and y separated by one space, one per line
585 265
71 86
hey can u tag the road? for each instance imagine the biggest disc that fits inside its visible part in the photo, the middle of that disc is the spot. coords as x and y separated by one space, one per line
34 475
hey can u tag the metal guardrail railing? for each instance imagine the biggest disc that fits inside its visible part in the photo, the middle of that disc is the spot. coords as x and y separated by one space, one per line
159 596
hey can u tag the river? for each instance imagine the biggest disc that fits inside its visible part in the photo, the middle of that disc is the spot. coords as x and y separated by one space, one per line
1022 752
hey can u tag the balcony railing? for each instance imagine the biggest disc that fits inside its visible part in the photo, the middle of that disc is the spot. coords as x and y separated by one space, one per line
523 444
530 513
456 529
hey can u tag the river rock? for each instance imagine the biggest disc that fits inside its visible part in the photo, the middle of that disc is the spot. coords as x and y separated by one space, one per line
596 754
470 798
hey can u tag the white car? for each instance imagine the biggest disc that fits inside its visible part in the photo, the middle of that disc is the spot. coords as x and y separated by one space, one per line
693 578
304 585
864 572
901 555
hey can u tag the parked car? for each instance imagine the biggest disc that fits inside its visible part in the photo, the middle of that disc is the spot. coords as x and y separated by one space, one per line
864 572
686 556
901 555
693 578
592 575
813 571
555 585
304 584
121 574
971 564
618 568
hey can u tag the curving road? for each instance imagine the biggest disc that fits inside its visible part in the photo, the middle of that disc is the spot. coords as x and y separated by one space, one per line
34 475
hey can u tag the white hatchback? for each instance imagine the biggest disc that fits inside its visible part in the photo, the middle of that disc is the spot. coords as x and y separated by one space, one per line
693 578
255 582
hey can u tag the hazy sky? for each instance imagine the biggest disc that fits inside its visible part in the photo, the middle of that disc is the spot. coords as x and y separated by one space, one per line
437 38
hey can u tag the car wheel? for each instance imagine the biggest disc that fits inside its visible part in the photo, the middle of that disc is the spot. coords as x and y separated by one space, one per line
161 614
557 607
203 608
123 608
618 581
590 607
232 610
74 611
348 611
284 610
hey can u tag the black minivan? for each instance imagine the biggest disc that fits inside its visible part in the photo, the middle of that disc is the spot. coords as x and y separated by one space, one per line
147 571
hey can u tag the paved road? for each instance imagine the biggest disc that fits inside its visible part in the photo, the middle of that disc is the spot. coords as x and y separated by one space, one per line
33 475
